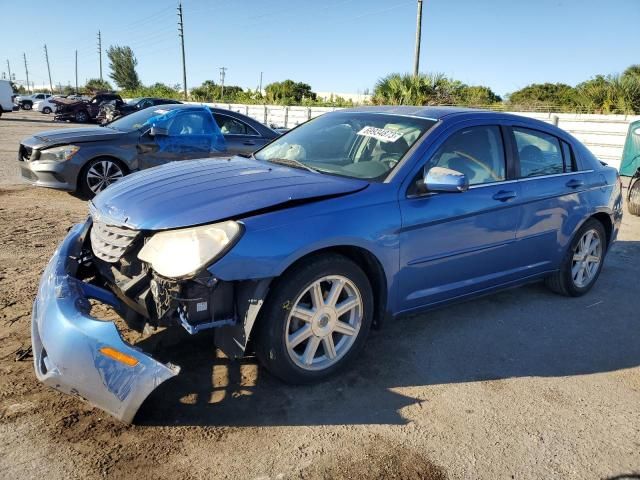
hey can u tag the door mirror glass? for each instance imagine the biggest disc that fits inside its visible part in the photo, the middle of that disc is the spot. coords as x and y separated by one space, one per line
441 179
158 131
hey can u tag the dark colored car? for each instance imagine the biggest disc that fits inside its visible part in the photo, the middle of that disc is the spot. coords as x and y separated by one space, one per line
113 110
88 159
83 111
351 220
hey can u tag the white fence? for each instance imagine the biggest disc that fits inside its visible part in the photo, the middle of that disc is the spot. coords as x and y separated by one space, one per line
604 135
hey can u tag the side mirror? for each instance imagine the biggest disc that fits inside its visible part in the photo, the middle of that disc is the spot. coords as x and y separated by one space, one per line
158 131
440 179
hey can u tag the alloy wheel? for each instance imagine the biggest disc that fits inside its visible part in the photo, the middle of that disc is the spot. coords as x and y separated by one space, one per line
587 256
102 174
324 322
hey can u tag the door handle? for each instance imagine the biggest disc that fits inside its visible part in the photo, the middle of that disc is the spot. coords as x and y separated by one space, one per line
505 195
575 183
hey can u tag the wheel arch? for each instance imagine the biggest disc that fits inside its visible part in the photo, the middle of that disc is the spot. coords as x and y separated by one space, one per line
106 156
607 223
370 265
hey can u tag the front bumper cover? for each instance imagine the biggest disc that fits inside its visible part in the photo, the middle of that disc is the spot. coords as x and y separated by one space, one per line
66 340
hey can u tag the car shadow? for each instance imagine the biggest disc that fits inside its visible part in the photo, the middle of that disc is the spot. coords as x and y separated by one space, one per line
524 332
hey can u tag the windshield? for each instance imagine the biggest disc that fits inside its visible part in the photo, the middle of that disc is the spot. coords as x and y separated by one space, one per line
357 145
136 120
133 101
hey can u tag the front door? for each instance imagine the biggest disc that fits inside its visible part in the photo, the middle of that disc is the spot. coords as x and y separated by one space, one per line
187 135
454 244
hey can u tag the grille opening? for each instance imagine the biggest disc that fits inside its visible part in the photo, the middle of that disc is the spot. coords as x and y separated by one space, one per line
110 242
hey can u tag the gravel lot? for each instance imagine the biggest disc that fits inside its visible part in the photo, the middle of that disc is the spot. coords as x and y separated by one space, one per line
521 384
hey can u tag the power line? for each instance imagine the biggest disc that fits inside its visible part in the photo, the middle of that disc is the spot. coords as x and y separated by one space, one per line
26 70
181 35
223 72
76 72
416 58
100 52
46 56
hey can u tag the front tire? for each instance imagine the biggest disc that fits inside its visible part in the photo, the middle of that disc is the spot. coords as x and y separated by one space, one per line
27 106
316 319
46 110
98 174
583 261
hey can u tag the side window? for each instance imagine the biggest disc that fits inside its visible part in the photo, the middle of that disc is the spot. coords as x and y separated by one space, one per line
192 123
477 152
539 153
569 158
231 126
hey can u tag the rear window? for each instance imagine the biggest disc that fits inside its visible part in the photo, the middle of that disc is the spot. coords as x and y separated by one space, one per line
539 153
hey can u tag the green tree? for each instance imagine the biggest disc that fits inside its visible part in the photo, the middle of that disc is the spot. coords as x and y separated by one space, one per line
289 92
632 71
478 95
18 88
94 85
611 94
123 67
209 91
427 89
551 95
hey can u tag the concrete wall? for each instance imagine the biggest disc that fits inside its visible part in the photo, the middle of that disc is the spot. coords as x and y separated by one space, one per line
604 135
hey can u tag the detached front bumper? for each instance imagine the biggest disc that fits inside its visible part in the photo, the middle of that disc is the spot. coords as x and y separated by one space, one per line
67 341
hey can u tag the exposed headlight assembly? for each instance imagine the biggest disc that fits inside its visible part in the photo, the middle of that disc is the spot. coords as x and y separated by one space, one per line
182 253
59 154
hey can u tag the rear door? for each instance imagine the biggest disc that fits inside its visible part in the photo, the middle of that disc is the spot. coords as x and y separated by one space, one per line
454 244
553 197
241 138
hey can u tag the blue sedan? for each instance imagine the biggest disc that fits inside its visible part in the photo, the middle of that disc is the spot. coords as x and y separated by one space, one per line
342 224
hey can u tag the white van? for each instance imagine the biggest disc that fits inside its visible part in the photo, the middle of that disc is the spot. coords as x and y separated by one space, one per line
6 104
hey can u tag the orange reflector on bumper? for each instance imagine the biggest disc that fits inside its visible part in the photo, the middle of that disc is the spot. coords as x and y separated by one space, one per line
119 356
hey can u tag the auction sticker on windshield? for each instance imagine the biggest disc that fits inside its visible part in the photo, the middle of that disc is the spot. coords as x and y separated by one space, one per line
382 134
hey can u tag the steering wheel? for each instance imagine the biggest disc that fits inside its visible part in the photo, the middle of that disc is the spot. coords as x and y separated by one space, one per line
474 160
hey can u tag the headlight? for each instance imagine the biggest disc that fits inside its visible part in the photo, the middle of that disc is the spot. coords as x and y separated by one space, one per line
59 154
181 253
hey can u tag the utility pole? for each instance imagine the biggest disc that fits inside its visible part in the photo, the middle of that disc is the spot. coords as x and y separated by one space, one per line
9 68
99 54
46 56
76 72
26 70
223 71
181 35
260 84
416 59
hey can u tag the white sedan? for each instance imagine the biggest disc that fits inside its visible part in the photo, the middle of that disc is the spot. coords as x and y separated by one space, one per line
45 106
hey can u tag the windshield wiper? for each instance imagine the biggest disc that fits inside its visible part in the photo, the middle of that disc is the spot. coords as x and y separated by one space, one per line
290 162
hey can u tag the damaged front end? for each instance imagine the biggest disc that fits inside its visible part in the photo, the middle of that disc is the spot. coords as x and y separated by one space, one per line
85 356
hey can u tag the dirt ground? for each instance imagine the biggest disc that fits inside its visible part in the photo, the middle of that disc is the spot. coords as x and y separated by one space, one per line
521 384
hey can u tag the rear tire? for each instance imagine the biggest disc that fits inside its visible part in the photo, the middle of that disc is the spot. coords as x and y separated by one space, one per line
315 320
579 271
82 116
633 205
27 106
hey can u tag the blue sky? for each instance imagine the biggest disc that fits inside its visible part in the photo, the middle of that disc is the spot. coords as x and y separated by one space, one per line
334 45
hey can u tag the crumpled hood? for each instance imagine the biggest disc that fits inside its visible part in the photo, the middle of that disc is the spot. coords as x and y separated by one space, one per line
73 135
186 193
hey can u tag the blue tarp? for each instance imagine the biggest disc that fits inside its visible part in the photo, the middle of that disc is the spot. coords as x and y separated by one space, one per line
188 131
